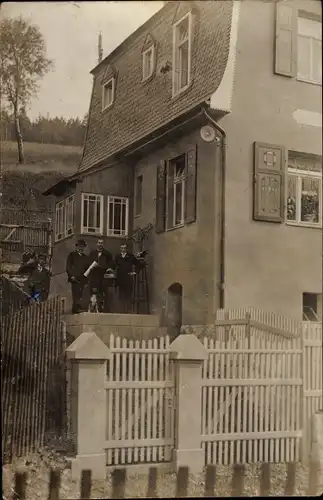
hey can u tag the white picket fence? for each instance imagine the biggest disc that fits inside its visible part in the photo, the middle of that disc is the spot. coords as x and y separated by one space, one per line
261 384
251 401
140 402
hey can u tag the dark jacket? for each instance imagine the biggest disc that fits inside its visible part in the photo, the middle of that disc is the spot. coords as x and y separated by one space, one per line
105 261
76 265
124 266
38 280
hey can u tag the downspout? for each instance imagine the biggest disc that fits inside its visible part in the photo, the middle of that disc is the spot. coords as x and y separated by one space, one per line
222 208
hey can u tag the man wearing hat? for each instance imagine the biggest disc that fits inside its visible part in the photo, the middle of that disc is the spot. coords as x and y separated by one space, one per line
76 265
38 282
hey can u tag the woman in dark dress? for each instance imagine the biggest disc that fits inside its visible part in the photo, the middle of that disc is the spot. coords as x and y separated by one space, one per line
126 264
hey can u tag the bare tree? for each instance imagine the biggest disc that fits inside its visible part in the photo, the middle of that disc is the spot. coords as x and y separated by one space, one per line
23 63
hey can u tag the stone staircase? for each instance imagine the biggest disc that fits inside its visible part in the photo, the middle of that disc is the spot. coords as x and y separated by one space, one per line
130 326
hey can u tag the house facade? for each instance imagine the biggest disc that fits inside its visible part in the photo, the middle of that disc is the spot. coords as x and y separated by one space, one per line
207 124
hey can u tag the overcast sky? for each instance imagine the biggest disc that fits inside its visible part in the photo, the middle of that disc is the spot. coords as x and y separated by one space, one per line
71 34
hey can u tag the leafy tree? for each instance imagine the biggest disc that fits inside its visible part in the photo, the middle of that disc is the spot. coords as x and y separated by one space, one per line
23 63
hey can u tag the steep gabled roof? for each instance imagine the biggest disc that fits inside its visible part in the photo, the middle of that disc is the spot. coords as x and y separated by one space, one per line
143 107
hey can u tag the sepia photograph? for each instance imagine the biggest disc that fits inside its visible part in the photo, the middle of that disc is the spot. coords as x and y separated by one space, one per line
161 249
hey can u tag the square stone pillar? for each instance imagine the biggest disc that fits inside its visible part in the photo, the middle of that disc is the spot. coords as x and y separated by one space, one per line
188 354
89 356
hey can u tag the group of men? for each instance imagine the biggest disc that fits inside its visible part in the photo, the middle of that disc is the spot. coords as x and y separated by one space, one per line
91 269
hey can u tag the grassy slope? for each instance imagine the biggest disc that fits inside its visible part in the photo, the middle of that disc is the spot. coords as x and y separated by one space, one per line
45 164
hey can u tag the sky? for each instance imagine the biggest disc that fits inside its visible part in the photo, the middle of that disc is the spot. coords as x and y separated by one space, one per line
71 32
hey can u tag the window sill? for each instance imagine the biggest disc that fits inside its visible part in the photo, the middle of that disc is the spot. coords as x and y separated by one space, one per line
182 92
107 107
304 224
304 80
85 233
120 236
175 227
148 79
64 238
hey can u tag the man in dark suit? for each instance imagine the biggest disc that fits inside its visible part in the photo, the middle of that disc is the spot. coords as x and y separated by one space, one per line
38 282
126 264
76 265
96 278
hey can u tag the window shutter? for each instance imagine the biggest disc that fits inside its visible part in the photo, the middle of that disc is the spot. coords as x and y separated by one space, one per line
170 195
161 197
286 39
190 186
269 173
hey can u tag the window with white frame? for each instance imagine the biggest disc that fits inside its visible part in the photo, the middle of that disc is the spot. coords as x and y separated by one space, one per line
92 214
304 190
179 190
118 212
182 43
108 92
309 50
148 59
64 218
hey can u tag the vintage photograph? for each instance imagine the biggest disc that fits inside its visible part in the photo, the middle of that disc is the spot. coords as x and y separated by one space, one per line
161 249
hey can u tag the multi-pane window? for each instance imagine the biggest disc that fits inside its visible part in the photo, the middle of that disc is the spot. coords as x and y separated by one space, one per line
138 195
182 54
118 209
309 50
108 91
304 190
92 214
179 190
69 215
148 57
64 218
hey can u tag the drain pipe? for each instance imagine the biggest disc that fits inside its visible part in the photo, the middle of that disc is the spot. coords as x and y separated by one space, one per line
222 207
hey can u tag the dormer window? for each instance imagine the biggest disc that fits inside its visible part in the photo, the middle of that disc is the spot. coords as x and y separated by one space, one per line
148 62
182 53
108 92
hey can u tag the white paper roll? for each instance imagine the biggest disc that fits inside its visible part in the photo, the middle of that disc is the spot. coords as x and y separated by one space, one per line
92 266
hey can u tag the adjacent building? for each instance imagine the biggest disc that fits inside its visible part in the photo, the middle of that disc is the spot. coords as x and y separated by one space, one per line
206 122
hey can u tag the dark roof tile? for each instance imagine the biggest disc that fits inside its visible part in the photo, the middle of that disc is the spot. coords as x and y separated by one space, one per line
140 108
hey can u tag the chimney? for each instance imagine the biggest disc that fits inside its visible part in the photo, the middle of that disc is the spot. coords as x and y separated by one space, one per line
100 50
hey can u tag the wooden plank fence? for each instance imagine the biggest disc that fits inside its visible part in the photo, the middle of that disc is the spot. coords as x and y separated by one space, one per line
31 344
119 481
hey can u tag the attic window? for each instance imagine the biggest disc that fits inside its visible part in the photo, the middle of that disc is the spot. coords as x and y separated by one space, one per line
182 53
108 93
148 60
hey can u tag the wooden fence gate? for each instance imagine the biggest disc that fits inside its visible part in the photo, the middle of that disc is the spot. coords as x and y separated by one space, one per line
140 402
32 344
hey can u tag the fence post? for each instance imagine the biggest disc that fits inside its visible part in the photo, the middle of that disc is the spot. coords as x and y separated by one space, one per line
188 354
89 356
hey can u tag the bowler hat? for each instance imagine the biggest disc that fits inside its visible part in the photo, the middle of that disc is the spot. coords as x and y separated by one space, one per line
80 243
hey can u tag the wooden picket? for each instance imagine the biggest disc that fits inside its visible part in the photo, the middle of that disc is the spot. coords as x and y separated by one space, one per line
313 385
119 481
140 391
32 342
241 380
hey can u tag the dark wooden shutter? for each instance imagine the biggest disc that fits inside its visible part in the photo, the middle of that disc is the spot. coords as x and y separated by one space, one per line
190 186
269 174
161 197
170 195
286 39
